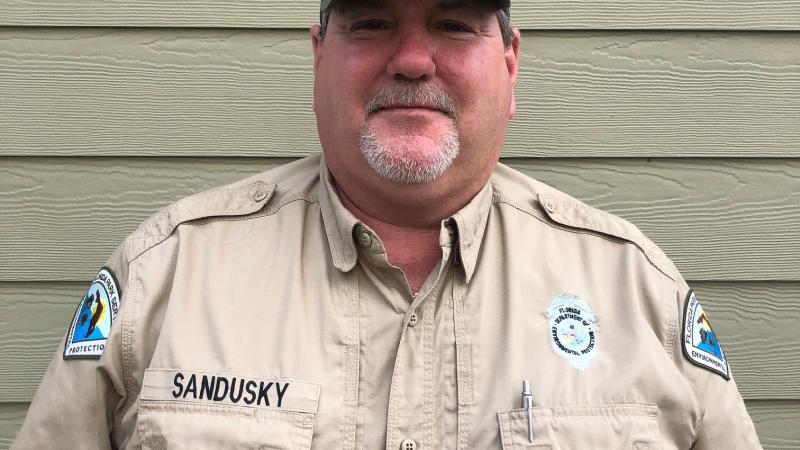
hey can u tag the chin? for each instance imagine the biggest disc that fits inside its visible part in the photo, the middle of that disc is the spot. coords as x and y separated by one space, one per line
410 159
419 148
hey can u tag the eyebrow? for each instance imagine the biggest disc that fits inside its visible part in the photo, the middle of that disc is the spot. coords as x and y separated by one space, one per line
359 4
453 4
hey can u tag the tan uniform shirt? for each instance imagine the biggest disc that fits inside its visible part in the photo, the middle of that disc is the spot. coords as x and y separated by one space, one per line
263 315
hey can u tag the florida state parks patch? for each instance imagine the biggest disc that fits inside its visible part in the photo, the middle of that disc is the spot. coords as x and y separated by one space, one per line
700 343
92 322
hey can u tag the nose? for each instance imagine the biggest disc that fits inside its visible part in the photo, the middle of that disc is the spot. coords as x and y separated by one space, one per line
413 58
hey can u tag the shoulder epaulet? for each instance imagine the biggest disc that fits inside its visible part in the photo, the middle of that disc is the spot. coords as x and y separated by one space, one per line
545 202
572 213
241 198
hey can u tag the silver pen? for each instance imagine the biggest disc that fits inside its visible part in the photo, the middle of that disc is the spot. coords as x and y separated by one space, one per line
527 404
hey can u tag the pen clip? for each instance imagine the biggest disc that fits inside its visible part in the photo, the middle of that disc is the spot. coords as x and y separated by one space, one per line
527 404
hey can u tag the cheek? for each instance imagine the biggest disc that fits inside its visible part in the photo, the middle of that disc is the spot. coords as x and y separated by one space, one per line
345 79
482 88
354 77
480 83
362 65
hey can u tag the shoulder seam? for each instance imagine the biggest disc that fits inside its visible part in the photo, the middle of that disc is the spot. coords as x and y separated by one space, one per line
304 196
127 346
269 211
673 324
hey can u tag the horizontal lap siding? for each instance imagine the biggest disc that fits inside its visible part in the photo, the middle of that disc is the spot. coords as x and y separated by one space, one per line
172 92
101 126
11 417
532 14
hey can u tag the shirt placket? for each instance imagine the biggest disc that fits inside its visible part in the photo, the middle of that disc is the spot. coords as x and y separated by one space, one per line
352 361
411 415
464 376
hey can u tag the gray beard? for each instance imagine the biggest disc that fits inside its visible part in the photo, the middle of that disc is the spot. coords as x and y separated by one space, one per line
396 163
391 163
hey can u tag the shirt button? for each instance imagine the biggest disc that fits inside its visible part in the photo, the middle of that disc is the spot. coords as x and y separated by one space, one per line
260 193
550 206
412 320
364 239
408 444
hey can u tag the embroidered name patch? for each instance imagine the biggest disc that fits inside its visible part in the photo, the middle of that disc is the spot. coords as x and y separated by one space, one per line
230 389
700 343
573 334
92 322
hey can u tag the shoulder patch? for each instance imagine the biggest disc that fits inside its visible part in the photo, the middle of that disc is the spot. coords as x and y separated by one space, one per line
700 344
92 322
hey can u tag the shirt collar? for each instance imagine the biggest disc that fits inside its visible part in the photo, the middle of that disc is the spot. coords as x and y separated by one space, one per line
470 224
339 222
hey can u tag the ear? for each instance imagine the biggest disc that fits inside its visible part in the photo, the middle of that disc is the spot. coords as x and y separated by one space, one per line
512 63
316 45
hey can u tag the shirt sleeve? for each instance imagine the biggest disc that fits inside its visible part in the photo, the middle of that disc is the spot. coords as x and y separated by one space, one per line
724 421
78 398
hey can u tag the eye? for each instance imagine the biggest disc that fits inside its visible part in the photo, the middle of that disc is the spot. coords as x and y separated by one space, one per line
454 26
369 25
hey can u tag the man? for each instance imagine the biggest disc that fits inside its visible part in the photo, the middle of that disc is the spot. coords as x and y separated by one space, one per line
403 292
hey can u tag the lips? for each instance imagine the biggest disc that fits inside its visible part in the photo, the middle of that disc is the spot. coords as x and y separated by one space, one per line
411 107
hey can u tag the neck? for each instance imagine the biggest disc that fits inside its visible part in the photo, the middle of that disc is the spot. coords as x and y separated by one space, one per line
413 249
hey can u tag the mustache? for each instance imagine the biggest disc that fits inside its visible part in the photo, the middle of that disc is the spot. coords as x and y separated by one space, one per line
411 95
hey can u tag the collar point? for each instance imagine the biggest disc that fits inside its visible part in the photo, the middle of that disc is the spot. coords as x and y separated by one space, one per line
469 270
345 263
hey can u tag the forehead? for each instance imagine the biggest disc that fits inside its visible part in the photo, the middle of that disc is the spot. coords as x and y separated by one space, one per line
347 5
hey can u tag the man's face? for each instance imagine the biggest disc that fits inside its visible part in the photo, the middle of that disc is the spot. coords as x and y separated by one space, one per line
413 92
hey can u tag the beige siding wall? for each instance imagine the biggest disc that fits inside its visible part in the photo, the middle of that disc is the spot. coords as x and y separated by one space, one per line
109 111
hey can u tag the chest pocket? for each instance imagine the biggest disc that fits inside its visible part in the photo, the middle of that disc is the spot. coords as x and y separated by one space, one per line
582 427
190 410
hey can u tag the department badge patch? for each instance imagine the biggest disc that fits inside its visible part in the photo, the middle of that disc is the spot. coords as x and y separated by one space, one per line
92 322
573 333
700 343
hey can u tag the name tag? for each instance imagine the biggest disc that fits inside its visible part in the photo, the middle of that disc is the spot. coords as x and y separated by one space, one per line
230 389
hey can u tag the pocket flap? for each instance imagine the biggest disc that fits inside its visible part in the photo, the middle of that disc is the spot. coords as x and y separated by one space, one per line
595 427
